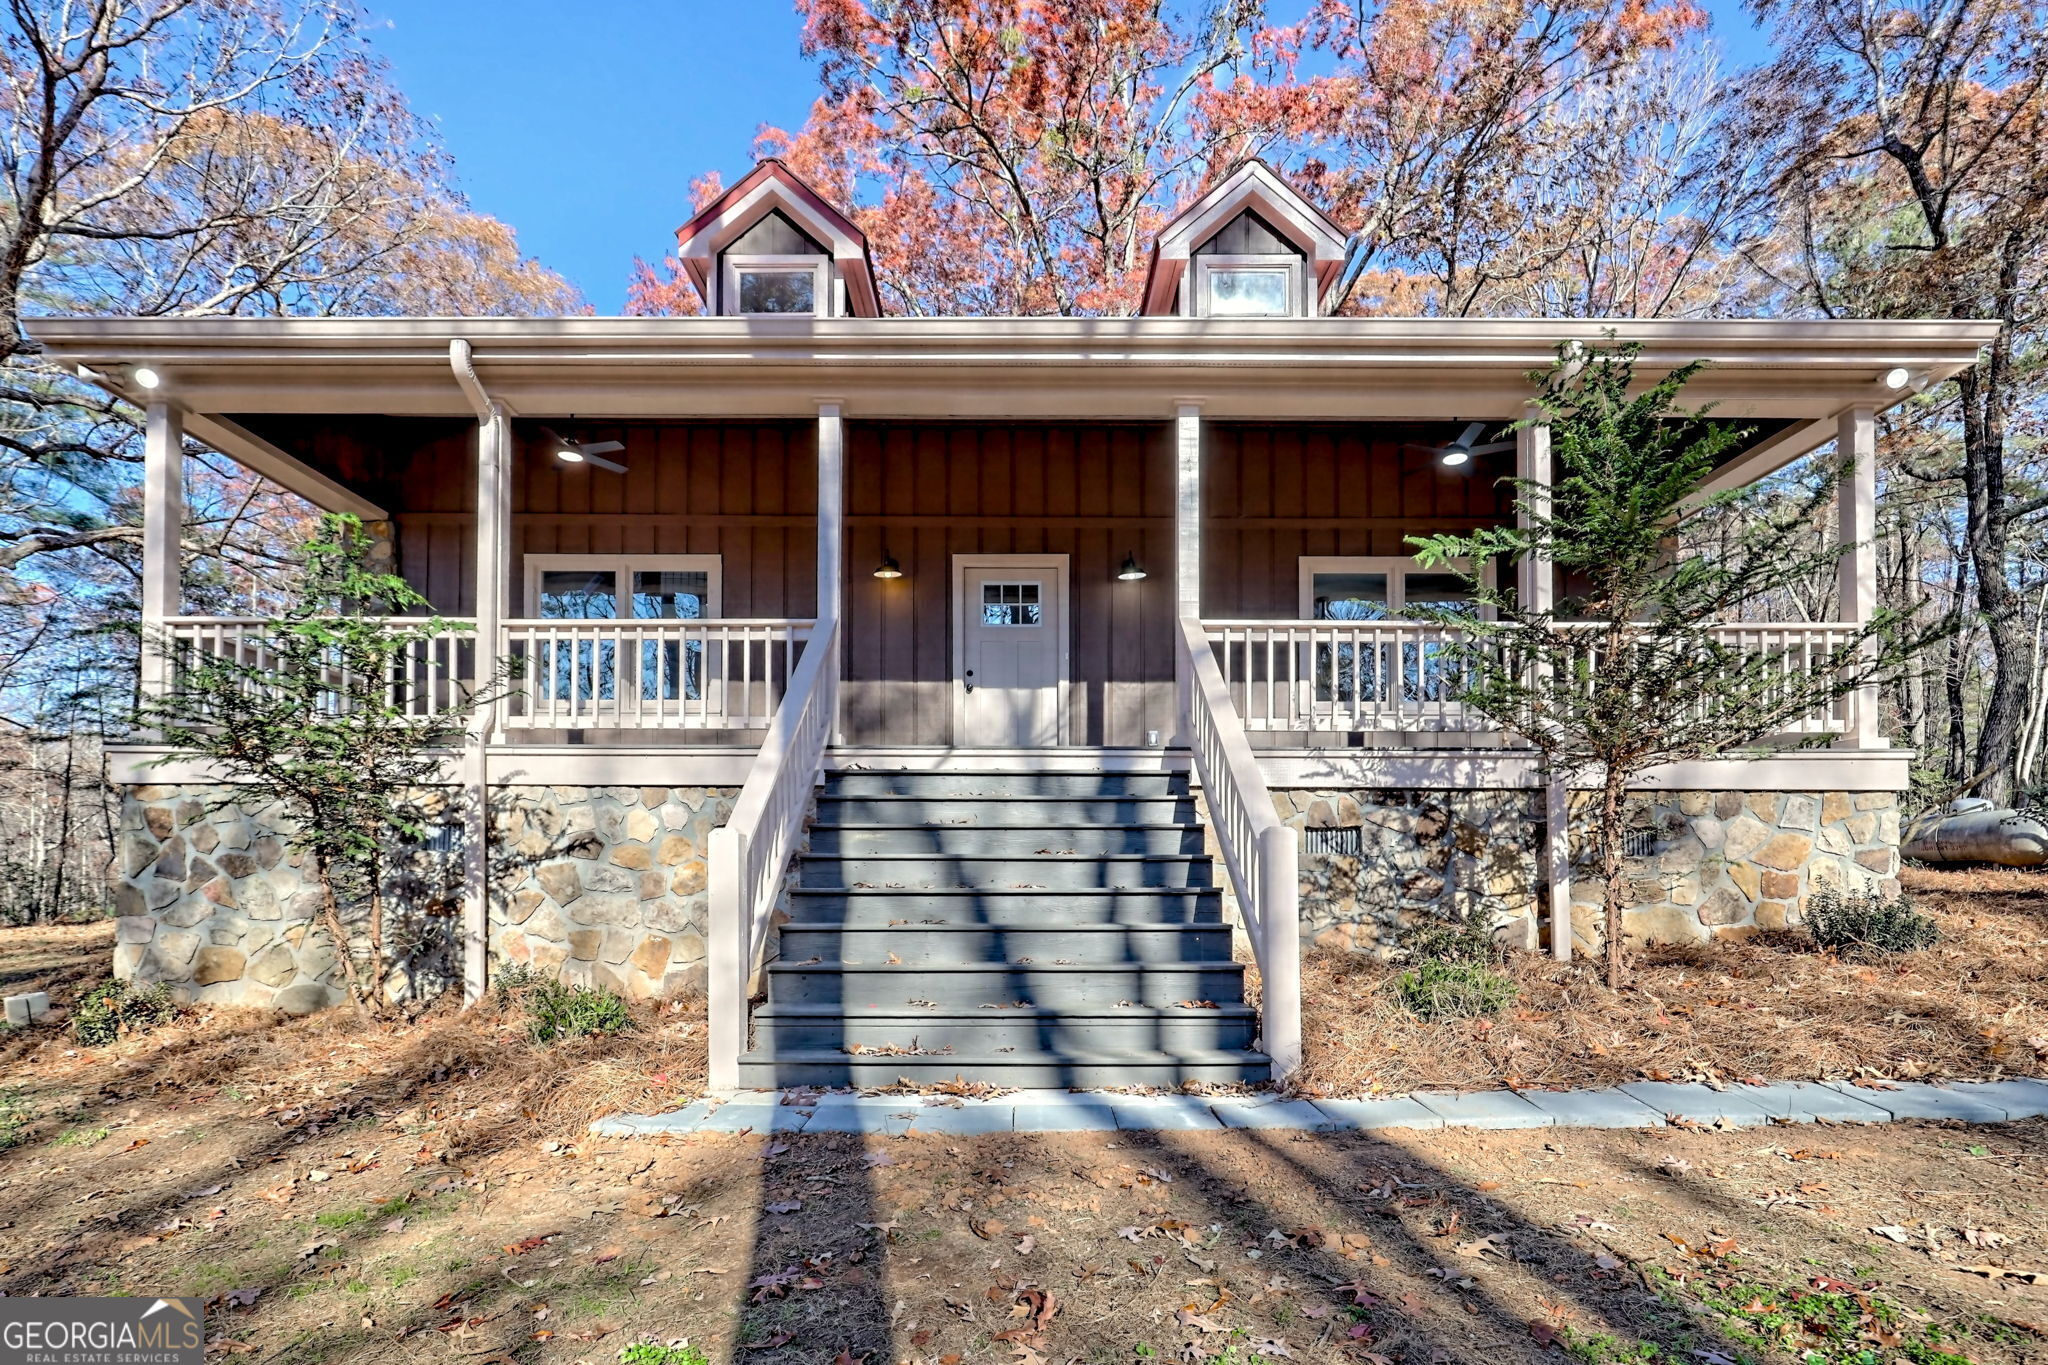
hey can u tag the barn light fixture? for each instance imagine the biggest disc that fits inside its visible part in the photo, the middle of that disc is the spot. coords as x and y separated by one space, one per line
1130 572
888 568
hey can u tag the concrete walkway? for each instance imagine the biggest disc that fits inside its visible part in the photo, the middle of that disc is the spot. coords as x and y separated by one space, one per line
1642 1104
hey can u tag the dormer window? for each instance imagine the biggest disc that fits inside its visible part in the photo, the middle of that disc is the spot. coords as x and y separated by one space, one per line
770 247
1247 287
1249 248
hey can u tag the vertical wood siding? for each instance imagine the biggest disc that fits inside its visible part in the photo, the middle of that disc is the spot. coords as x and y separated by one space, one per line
1272 494
926 491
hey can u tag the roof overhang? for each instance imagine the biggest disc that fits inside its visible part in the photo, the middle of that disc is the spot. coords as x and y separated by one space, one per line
1258 187
1325 369
768 187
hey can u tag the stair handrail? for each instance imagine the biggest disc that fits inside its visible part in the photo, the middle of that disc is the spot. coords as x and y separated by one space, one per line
1259 851
749 854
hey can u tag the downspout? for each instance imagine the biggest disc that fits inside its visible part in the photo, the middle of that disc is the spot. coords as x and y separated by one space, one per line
491 443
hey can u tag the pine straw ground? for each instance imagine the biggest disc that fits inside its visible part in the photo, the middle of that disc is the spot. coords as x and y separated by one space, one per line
1974 1005
426 1191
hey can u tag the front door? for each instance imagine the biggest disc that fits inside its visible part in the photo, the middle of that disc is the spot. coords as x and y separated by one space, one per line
1010 650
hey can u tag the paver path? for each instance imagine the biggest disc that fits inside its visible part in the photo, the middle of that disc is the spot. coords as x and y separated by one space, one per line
1641 1104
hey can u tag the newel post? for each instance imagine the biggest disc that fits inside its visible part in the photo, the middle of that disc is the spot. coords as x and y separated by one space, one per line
1279 908
163 528
1856 524
727 955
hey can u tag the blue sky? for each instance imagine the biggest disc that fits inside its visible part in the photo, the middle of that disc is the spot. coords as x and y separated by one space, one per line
582 122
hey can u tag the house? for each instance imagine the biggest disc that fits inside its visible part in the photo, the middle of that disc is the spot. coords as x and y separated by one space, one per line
964 687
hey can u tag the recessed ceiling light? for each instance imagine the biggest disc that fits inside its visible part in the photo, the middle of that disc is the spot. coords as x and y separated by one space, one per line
1897 377
147 377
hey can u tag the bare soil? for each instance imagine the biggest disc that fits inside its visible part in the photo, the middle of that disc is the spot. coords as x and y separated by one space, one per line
427 1191
1974 1005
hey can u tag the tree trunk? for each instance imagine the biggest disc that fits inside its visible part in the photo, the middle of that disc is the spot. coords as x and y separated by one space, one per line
377 965
1612 810
330 915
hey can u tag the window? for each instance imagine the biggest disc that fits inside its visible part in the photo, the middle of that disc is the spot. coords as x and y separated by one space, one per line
588 588
777 291
1247 286
1243 292
771 286
1376 669
1010 604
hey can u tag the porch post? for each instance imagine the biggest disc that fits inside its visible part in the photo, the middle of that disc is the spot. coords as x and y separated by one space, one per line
831 527
1536 586
163 527
493 459
1856 508
1187 544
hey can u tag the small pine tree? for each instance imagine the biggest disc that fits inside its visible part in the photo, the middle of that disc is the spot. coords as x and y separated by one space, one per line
1628 671
330 713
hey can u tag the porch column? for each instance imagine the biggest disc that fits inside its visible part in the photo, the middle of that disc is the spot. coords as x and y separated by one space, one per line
1536 587
1856 510
163 527
493 506
831 525
1187 544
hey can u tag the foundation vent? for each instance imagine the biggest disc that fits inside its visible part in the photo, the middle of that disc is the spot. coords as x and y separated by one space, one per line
1345 841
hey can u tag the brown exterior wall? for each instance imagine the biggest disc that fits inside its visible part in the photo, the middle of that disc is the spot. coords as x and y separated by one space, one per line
1274 493
925 492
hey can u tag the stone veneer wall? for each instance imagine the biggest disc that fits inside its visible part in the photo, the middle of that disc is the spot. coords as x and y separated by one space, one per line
605 885
1713 864
594 884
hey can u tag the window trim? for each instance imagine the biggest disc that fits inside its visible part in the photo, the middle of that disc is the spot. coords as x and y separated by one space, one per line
711 566
1395 567
1205 266
822 298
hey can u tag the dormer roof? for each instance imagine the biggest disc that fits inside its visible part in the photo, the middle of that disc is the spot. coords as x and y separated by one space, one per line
1255 188
771 188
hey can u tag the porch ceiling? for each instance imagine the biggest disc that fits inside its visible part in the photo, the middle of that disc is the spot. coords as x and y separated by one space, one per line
1800 372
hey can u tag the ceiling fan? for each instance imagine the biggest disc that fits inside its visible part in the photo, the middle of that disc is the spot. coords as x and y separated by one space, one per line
1461 451
585 452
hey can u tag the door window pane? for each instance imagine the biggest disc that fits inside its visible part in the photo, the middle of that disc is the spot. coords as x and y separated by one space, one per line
1010 604
778 291
1248 293
1443 591
579 594
1350 596
667 595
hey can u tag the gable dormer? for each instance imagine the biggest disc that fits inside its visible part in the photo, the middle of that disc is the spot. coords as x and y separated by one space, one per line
772 246
1249 248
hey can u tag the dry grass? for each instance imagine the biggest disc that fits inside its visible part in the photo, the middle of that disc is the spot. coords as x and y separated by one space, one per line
1973 1005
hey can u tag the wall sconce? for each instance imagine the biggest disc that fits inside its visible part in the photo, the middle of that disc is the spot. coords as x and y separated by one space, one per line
1130 572
888 568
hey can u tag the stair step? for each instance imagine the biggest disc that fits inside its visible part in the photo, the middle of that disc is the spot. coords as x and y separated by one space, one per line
949 945
1021 1070
970 985
956 782
1004 812
964 871
1019 841
1004 908
1062 1032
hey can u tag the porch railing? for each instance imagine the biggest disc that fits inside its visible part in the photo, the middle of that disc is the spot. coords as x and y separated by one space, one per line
429 674
1259 852
1403 677
750 852
713 674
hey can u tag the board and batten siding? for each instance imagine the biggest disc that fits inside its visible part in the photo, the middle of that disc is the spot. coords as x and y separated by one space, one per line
926 491
1273 493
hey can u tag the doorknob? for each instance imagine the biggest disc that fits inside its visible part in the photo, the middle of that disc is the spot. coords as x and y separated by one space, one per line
970 680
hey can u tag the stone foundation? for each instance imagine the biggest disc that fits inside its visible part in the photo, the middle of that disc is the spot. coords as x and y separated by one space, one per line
592 884
1703 864
210 901
605 885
